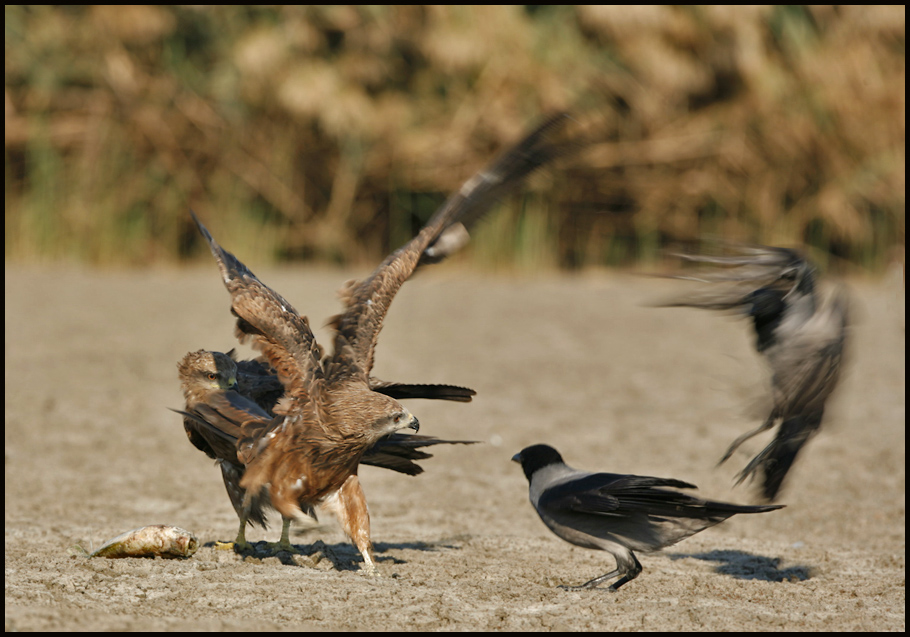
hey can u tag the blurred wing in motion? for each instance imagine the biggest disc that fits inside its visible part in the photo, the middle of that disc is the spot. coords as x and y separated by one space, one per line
801 335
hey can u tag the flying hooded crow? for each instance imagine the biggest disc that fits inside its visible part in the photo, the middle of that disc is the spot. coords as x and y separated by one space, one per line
617 513
799 333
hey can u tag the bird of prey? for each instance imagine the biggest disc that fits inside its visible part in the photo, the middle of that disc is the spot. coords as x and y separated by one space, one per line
800 334
617 513
224 396
330 415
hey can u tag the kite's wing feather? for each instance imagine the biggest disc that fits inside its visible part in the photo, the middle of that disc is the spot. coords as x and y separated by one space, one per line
399 452
274 326
404 391
367 302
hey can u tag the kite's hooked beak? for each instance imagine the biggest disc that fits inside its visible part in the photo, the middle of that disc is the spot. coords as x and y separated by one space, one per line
414 424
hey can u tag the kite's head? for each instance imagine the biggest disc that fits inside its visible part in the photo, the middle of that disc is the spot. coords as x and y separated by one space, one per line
369 415
392 416
204 370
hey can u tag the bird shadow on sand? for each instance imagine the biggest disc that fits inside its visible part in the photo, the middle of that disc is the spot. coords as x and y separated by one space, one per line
746 566
343 555
346 557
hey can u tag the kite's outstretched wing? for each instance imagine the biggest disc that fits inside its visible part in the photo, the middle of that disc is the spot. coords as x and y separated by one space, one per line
366 302
276 329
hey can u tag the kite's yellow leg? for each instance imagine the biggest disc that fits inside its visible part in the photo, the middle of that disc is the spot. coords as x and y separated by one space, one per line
240 544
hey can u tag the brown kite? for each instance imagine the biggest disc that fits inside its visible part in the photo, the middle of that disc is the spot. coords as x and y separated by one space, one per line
224 396
330 415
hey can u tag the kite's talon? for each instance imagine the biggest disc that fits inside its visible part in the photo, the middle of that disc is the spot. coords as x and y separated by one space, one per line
283 547
237 547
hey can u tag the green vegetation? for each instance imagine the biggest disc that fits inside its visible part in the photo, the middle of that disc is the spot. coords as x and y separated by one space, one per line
330 133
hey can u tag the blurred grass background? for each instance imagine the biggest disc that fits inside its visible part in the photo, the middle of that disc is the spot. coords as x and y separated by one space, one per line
331 133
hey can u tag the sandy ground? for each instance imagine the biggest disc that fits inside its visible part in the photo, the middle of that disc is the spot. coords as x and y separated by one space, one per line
577 362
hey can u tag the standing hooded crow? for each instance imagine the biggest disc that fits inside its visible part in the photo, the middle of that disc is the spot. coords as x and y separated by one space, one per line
617 513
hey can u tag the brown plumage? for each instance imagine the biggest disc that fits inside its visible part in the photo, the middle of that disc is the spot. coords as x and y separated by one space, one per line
225 397
209 384
330 415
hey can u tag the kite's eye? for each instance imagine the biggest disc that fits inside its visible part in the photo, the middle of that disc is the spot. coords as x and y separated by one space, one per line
398 418
212 376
